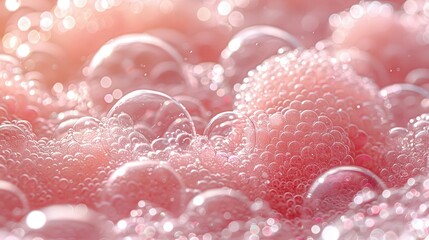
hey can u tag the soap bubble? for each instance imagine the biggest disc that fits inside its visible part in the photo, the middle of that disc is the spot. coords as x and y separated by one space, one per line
85 129
231 132
336 189
179 41
418 77
154 182
157 116
66 222
13 203
49 60
65 122
143 47
12 137
364 65
132 62
405 101
249 47
214 209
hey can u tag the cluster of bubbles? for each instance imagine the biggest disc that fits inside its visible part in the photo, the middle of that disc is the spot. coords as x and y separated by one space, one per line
260 135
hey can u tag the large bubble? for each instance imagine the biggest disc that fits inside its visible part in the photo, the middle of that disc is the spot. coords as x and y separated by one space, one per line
250 47
154 182
132 62
336 189
405 101
231 133
160 118
214 209
66 222
13 203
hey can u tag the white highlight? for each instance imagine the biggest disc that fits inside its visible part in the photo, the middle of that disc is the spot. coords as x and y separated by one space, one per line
224 8
330 233
36 220
12 5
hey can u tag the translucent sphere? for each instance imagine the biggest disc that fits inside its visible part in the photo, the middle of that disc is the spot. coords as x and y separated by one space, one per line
13 137
132 62
66 222
405 101
85 129
154 182
249 47
214 209
158 116
364 65
336 189
231 132
13 203
419 77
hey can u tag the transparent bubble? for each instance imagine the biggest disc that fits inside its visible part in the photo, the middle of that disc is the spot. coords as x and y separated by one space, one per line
335 190
144 43
405 101
231 132
209 75
398 138
178 40
49 60
199 114
146 219
13 203
418 77
13 137
121 141
212 90
150 181
7 61
9 67
400 213
132 62
214 209
66 121
6 234
364 65
194 106
85 129
66 222
157 116
249 47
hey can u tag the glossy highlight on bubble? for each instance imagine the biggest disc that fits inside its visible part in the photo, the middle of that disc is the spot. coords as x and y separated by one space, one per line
157 116
334 190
